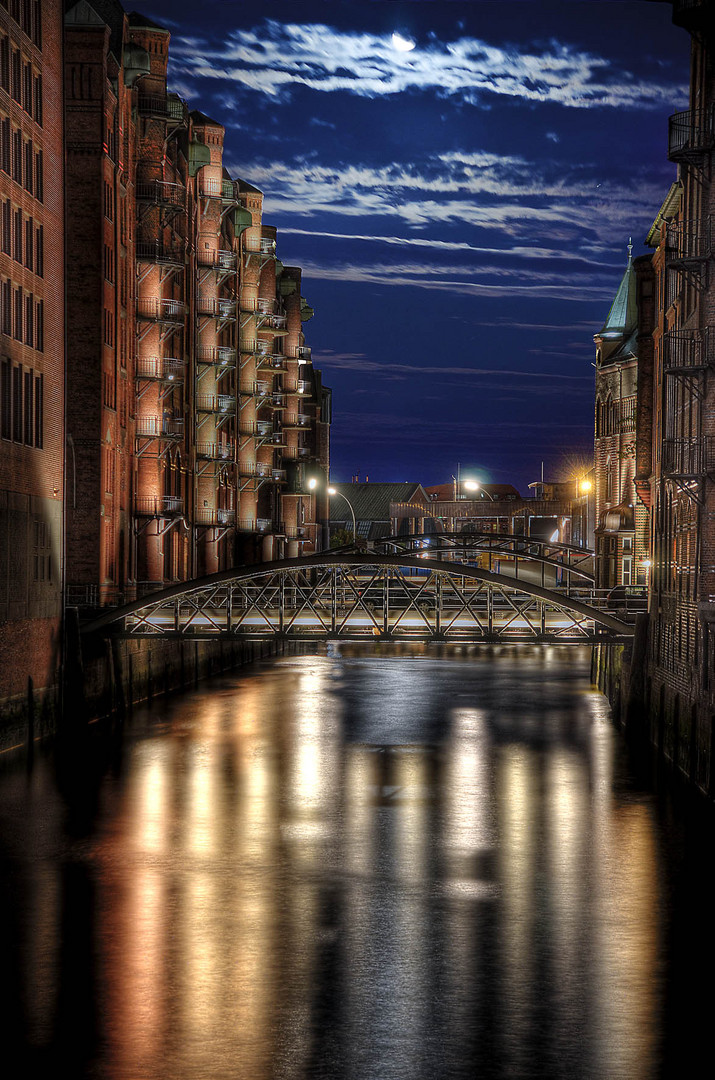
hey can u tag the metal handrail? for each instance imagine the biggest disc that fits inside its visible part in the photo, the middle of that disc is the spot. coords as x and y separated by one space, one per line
158 505
165 368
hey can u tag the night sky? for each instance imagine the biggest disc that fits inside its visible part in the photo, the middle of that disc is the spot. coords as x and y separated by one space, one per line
461 209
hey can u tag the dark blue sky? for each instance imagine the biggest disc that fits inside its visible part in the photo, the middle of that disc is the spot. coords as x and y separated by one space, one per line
461 210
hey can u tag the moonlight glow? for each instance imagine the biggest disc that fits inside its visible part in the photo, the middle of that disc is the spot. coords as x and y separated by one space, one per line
402 44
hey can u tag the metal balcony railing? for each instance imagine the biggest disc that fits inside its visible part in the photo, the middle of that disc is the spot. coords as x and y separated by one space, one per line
689 457
255 468
224 518
169 107
688 243
157 506
302 352
161 310
162 193
688 350
161 368
272 362
260 429
153 251
215 451
217 260
277 400
160 427
252 345
209 187
691 135
216 403
273 322
263 246
218 355
255 389
259 306
216 307
690 14
259 525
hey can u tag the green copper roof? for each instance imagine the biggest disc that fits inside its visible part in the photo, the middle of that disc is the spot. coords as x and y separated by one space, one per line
623 316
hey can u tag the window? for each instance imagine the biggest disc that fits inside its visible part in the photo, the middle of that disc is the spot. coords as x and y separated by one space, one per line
6 308
28 412
29 167
39 326
5 64
29 320
39 189
18 315
7 227
42 551
17 156
40 251
29 243
17 404
17 237
627 570
5 400
16 75
37 98
5 152
38 411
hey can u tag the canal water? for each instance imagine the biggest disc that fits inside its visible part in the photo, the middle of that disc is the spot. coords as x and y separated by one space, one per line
356 867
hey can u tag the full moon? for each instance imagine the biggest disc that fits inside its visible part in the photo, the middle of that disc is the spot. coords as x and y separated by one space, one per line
402 44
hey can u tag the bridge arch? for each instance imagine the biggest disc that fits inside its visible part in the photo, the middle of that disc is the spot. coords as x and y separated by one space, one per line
358 596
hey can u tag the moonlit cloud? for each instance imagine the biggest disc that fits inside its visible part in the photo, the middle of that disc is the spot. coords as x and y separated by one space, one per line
276 59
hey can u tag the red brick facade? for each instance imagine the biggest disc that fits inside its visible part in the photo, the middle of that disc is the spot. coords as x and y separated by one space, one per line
194 413
31 347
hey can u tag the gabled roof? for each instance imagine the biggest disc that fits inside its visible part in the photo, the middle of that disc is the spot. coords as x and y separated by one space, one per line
623 317
371 502
667 212
202 120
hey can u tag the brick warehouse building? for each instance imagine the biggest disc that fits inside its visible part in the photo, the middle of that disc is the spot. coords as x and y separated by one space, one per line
194 415
675 452
31 348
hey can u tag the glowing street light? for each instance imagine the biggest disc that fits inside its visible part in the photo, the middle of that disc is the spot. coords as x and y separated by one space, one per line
334 491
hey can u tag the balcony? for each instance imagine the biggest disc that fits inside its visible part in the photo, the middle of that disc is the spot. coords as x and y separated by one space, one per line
216 260
259 429
166 254
690 14
260 525
161 193
260 469
296 420
216 403
216 307
222 356
691 135
688 244
263 246
296 386
255 389
158 506
271 362
275 400
688 350
160 427
165 311
168 107
258 306
160 368
303 353
296 453
256 347
217 518
215 451
689 458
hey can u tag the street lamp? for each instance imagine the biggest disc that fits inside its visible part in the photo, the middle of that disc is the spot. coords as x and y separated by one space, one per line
472 485
334 491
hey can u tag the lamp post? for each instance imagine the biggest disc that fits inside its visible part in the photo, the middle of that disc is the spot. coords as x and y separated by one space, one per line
334 491
584 488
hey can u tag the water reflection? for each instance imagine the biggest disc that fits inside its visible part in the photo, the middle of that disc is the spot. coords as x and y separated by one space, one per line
347 867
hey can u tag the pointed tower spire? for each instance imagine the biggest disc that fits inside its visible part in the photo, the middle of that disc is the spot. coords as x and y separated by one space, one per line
623 316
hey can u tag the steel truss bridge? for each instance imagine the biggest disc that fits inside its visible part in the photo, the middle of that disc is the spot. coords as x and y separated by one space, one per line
354 596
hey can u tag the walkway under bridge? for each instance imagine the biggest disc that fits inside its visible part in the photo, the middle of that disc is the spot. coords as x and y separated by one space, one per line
376 596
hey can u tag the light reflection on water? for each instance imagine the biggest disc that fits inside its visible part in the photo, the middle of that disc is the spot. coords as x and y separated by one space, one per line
346 867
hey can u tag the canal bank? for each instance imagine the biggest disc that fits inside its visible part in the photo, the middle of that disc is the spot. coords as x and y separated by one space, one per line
105 676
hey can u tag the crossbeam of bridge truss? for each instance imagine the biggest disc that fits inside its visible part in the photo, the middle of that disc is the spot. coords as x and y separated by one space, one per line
366 597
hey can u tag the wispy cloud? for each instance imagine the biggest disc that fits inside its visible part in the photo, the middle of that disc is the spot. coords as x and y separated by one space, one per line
359 362
275 59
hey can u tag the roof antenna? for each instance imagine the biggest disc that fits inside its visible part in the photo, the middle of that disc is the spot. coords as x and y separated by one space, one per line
630 250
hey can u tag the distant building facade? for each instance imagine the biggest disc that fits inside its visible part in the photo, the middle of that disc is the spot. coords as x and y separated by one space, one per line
621 517
31 351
